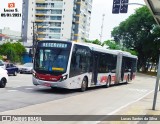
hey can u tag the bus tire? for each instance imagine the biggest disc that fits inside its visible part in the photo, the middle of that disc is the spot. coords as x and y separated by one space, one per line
3 83
108 82
84 85
131 77
127 79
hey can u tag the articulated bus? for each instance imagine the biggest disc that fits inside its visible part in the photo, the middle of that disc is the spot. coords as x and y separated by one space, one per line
73 65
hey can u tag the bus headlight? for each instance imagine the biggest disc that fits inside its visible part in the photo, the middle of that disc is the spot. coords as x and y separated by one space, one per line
34 74
63 77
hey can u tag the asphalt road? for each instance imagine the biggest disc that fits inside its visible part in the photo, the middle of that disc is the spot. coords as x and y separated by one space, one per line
20 92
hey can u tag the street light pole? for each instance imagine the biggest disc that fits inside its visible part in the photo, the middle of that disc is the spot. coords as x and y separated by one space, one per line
156 86
102 27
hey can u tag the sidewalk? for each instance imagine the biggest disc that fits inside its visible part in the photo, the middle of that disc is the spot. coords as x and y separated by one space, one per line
141 107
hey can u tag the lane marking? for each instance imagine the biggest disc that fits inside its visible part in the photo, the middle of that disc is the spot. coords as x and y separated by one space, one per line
138 90
41 87
12 90
113 112
16 86
29 88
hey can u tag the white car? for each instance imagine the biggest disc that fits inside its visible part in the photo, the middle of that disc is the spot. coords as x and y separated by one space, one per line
3 77
26 68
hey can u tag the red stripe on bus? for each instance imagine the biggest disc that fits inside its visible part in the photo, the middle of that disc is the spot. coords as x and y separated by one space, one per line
113 78
48 77
133 77
103 79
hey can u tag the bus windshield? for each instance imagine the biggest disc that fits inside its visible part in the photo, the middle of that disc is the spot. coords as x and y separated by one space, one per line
51 60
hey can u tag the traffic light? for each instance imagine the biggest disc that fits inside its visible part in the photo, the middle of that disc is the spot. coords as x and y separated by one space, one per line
116 6
124 6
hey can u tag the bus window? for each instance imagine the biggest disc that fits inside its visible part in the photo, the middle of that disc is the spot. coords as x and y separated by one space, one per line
111 62
103 65
80 60
51 61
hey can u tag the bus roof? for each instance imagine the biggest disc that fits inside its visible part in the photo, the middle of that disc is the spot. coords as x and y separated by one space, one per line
99 48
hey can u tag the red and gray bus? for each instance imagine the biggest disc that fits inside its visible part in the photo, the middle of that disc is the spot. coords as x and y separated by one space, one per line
73 65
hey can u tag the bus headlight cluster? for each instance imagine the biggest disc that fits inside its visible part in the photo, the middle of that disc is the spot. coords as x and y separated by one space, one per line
34 74
63 77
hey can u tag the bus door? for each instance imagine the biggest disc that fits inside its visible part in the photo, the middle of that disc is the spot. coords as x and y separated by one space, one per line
123 68
95 67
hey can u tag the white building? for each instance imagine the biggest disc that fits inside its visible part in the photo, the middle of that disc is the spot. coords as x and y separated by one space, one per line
56 19
9 34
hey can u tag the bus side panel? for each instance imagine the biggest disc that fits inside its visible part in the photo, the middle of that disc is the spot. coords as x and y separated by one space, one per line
118 68
79 67
103 77
128 68
76 81
106 68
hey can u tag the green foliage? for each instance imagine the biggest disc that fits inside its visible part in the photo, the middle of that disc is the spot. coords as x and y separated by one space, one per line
133 52
14 51
93 41
139 32
20 40
1 57
112 45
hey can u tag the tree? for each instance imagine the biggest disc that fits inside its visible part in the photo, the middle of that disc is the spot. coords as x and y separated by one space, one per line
14 51
111 44
93 41
138 32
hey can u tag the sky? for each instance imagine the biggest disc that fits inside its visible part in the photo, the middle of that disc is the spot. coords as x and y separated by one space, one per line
99 7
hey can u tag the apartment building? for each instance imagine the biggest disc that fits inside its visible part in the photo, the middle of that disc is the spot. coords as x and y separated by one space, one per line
56 19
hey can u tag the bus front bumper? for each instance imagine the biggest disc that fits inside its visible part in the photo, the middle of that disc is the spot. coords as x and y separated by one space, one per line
61 84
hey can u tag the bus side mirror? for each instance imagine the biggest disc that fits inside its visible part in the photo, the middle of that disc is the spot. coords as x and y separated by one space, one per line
31 53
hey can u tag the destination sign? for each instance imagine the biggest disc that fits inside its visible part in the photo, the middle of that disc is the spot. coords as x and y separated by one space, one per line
55 45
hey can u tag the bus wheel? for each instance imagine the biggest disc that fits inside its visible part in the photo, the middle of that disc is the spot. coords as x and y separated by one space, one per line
108 82
127 80
84 85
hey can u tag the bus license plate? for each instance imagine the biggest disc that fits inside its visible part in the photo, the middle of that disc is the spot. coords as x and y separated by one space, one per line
47 84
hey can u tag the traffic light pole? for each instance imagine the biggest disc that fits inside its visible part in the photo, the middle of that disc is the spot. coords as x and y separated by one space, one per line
33 44
34 40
